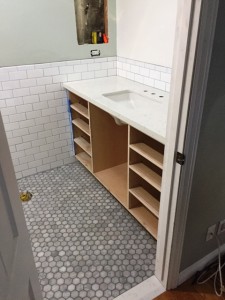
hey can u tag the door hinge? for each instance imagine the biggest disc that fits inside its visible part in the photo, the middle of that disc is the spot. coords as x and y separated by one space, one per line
180 159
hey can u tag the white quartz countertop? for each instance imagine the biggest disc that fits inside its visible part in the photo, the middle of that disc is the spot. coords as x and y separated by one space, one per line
151 121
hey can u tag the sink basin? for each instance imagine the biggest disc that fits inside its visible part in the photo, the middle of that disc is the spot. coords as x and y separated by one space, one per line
130 100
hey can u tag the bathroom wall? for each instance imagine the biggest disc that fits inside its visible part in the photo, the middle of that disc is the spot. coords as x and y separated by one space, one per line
44 31
34 107
146 30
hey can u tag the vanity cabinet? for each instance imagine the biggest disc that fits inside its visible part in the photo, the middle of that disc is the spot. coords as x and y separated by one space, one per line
127 162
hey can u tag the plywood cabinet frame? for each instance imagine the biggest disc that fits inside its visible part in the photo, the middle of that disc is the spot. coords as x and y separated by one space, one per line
127 162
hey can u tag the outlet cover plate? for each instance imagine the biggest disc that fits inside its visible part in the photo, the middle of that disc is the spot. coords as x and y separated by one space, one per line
211 232
221 228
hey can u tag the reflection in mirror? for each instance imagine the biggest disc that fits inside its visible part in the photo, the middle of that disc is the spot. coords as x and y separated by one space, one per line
91 21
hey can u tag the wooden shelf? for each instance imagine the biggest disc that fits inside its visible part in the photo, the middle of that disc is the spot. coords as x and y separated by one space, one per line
82 143
85 159
148 175
82 110
147 219
149 153
146 199
82 125
115 181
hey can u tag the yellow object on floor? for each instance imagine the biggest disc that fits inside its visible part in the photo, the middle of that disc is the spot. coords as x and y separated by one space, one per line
25 196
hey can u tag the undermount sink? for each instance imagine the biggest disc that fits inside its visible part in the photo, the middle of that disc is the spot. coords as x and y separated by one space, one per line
131 100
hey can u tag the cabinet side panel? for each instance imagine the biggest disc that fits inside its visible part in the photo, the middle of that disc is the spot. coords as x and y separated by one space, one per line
109 141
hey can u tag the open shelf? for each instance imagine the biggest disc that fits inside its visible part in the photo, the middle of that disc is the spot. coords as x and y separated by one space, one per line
147 219
85 159
115 181
146 199
82 110
82 125
148 175
149 153
83 144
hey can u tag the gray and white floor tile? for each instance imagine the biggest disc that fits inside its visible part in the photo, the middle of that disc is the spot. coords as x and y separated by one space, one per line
85 244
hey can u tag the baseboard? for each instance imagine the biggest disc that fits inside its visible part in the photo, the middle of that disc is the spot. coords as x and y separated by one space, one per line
199 265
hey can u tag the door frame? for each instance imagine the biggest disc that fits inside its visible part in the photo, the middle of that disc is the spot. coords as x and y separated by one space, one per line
192 55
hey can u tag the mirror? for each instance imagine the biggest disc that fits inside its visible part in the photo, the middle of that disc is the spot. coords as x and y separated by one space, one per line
91 21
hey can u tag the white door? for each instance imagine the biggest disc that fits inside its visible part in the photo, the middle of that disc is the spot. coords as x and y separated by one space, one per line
18 275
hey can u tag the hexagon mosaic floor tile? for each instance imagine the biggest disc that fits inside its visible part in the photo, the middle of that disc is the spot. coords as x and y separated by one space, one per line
85 244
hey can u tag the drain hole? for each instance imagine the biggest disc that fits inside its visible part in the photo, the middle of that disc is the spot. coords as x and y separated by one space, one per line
153 93
161 96
145 91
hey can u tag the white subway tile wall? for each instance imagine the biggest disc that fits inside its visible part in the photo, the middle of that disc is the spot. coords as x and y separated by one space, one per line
152 75
34 106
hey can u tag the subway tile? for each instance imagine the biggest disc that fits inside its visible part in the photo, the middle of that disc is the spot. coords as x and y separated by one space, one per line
14 101
47 147
21 92
74 77
33 114
49 159
154 74
35 73
29 172
40 105
88 75
20 132
48 112
10 85
60 94
28 83
17 117
31 99
24 108
101 73
47 96
41 155
166 77
30 137
81 68
27 123
42 120
17 154
94 67
33 150
35 163
59 78
37 128
44 168
51 71
21 167
36 90
8 111
2 103
23 146
38 143
160 85
15 141
44 134
6 94
11 126
44 80
25 67
53 87
17 75
66 70
4 76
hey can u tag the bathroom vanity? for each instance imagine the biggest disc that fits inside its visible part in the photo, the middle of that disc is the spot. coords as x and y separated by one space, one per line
119 129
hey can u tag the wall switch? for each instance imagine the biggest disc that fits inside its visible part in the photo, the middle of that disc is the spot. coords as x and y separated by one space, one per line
211 232
221 228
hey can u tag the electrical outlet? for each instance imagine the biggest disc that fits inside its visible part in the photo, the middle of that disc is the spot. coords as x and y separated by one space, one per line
211 231
221 228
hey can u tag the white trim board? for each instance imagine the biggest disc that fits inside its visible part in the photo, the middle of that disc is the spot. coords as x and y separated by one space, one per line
147 290
199 265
